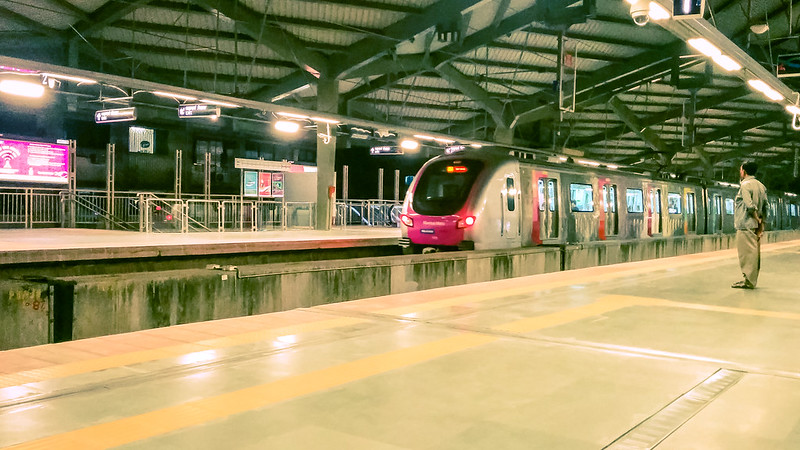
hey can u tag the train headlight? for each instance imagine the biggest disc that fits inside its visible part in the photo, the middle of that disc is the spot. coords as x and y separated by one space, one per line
407 221
466 222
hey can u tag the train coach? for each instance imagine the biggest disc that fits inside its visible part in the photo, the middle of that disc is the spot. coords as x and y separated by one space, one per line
483 200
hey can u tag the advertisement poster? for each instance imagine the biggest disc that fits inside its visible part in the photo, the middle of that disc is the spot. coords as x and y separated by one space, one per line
250 184
264 184
277 185
34 162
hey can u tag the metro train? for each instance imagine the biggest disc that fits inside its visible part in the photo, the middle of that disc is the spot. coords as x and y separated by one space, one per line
477 199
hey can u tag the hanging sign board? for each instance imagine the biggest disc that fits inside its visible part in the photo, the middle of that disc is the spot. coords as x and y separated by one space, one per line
386 150
260 164
250 184
198 110
34 162
115 115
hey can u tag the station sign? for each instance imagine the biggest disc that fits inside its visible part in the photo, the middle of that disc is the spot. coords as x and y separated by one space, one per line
198 110
260 164
115 115
386 150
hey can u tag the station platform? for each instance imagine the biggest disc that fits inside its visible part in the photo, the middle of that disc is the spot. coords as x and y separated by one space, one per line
659 353
47 245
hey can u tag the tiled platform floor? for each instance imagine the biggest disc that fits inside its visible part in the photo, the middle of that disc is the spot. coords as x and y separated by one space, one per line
657 353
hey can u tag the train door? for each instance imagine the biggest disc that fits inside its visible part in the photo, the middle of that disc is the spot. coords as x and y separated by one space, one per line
610 210
509 212
691 215
654 212
548 208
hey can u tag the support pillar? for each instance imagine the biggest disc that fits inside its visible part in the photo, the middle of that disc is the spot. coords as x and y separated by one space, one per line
327 102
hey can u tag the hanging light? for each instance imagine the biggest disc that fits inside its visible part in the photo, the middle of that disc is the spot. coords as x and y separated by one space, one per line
287 126
22 88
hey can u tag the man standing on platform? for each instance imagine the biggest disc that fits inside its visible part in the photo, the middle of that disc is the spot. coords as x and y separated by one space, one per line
748 218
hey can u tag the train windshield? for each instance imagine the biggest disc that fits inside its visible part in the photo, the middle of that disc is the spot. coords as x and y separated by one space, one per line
444 186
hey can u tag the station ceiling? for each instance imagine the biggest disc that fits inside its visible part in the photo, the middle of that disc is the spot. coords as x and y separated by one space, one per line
475 69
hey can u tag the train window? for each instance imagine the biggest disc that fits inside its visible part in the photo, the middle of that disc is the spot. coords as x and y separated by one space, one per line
690 203
674 203
551 191
441 192
793 209
511 194
635 199
729 206
610 198
541 194
581 197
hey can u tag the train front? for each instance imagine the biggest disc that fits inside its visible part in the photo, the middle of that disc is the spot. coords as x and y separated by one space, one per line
437 212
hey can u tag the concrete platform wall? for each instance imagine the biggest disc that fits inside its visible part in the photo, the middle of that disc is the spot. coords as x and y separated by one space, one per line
99 305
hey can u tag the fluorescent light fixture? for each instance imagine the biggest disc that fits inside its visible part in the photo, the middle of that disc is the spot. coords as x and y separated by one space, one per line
444 141
658 12
425 137
475 145
704 47
175 96
22 88
70 78
764 88
612 166
409 144
287 126
793 109
758 85
324 120
727 63
292 115
223 104
773 95
562 158
589 163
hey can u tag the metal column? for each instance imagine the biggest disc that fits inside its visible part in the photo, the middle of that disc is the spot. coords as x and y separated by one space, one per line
178 172
380 183
111 156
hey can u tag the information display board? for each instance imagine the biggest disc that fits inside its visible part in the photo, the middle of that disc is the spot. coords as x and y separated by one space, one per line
265 184
251 184
34 162
277 185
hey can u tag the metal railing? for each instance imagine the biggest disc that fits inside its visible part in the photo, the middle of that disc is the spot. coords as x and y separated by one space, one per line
161 213
373 213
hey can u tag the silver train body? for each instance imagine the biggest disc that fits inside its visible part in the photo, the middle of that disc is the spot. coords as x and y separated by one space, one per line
479 200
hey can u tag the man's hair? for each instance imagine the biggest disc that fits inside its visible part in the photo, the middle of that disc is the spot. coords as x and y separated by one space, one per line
750 167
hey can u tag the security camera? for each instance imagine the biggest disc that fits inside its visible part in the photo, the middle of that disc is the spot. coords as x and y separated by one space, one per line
640 12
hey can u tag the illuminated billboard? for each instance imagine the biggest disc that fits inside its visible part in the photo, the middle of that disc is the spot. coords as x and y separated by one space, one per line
34 162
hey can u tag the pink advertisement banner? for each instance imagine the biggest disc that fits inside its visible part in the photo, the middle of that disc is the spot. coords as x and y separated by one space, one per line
34 162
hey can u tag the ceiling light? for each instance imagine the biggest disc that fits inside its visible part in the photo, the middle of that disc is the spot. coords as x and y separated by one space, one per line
774 95
612 166
658 12
292 115
705 47
476 145
223 104
425 137
588 163
70 78
793 109
444 141
22 88
324 120
759 28
727 63
409 144
287 126
174 96
758 85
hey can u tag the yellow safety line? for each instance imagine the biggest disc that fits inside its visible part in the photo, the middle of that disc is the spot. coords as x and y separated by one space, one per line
198 412
699 307
124 359
173 418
